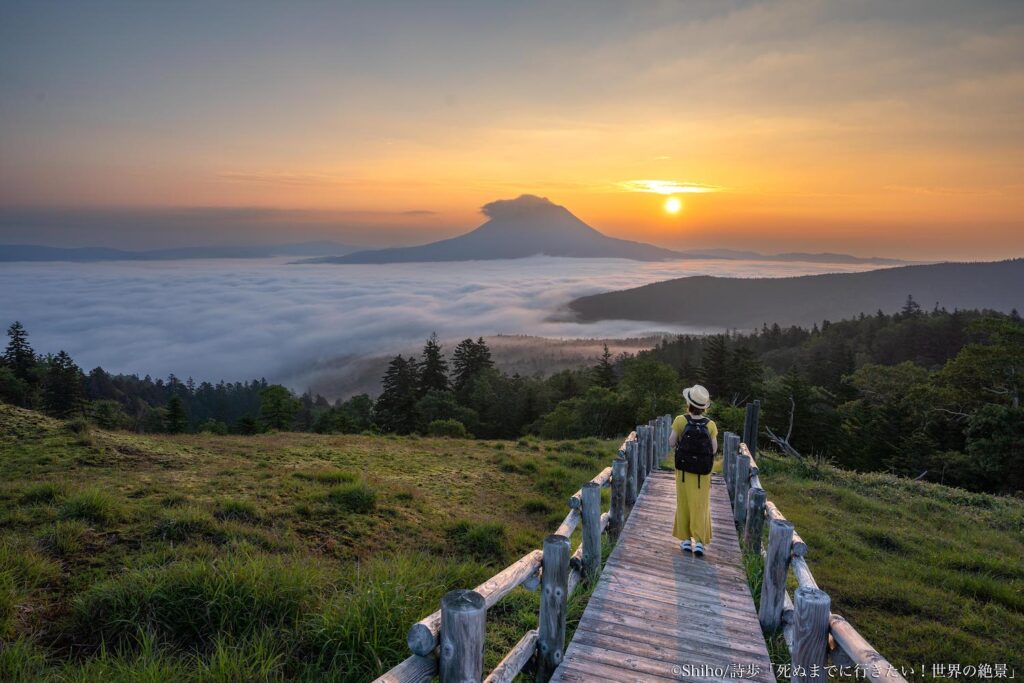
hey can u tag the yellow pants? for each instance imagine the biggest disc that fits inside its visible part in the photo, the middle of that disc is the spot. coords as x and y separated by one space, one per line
693 508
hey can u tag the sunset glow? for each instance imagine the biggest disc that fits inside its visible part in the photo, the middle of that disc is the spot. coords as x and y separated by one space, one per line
673 205
767 120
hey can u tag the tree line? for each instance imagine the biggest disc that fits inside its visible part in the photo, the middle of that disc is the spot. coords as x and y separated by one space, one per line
931 394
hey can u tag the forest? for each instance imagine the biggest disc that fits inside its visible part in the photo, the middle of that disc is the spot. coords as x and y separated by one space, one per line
933 394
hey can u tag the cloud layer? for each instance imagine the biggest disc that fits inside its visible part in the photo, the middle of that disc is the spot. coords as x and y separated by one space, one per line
239 319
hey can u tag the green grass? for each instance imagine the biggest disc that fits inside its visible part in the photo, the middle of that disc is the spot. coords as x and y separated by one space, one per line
229 558
925 572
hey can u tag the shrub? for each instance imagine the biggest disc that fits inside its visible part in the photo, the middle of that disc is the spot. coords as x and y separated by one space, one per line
483 541
357 497
191 604
92 505
78 425
449 428
42 492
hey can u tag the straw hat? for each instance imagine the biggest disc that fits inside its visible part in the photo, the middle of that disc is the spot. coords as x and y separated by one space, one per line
697 396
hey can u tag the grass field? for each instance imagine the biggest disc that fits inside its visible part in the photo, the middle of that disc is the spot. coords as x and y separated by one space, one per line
274 557
927 573
306 557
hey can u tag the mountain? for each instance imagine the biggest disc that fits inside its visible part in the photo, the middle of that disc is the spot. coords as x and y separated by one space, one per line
822 257
521 227
746 303
32 252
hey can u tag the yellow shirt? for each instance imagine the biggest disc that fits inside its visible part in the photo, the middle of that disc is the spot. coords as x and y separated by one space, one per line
680 423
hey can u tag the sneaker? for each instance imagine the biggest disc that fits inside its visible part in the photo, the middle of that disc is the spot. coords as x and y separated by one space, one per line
686 546
698 550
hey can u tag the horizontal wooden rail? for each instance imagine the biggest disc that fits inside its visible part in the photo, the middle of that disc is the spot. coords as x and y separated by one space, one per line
813 633
435 654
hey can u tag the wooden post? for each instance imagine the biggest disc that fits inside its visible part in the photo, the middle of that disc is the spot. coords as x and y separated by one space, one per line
632 485
739 501
617 511
812 609
463 624
654 458
755 519
651 447
773 584
733 466
746 424
730 444
554 596
754 421
591 530
641 458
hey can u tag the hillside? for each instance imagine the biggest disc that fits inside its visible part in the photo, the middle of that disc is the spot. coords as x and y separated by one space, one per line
747 303
521 227
311 554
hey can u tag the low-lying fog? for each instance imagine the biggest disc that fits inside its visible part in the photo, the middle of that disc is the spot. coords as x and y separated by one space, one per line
268 318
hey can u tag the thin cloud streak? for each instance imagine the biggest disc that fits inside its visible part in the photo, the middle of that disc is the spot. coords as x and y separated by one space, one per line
668 187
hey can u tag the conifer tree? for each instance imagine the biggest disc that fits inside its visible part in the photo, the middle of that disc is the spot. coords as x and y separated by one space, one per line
469 359
176 421
277 407
433 370
62 386
18 355
604 371
714 368
396 406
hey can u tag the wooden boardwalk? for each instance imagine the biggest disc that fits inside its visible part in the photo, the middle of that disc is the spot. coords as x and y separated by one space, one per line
659 615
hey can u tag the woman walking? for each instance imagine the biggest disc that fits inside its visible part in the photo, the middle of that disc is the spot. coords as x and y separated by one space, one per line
697 437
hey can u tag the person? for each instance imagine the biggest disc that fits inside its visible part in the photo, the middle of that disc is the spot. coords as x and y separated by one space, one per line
693 492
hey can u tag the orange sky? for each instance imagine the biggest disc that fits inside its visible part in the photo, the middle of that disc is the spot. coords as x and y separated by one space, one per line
871 129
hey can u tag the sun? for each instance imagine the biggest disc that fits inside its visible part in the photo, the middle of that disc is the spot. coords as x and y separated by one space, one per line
673 205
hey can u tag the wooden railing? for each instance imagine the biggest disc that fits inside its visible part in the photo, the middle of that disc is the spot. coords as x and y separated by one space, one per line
814 634
450 642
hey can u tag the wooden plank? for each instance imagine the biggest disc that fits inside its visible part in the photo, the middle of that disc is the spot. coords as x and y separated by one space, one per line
655 608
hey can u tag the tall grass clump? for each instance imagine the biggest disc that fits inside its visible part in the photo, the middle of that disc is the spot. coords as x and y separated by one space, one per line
187 523
361 631
91 505
238 510
42 493
356 497
66 538
327 476
190 604
484 541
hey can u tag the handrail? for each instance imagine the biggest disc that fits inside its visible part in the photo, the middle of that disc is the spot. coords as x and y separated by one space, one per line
553 569
813 633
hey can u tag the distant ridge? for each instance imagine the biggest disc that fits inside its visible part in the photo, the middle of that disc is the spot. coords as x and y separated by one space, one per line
746 303
518 228
32 252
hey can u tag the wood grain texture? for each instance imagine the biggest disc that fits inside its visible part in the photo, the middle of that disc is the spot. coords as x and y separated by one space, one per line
655 608
591 530
776 564
554 595
812 608
423 635
463 625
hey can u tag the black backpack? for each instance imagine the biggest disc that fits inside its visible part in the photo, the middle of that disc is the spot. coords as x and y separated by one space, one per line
694 450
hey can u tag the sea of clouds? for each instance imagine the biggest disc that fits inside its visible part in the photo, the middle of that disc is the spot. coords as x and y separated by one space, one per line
239 319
